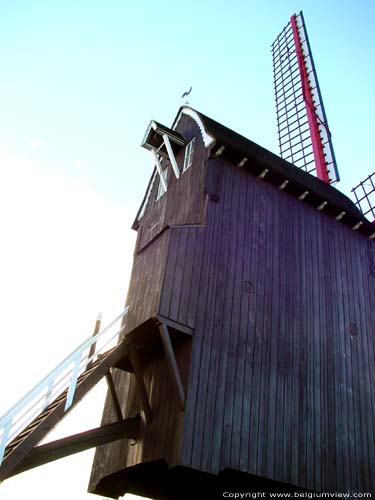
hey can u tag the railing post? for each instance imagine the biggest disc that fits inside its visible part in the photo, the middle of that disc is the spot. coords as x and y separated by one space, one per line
93 345
73 382
48 394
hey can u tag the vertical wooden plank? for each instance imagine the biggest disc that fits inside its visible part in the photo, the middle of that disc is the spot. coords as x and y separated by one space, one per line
294 317
243 289
259 243
229 321
273 331
318 369
248 325
356 335
368 275
290 338
195 284
178 283
329 430
264 440
304 322
171 262
187 287
345 365
221 334
205 324
310 351
195 407
336 313
215 322
282 361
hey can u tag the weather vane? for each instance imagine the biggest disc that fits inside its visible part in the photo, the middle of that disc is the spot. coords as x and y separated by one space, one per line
186 94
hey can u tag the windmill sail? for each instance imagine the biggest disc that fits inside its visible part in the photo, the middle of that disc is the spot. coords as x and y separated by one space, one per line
304 136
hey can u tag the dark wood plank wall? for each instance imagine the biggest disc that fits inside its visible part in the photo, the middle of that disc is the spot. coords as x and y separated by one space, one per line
146 281
282 380
280 296
185 200
159 440
184 203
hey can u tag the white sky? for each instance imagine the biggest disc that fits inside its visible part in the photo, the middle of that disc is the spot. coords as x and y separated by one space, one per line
65 255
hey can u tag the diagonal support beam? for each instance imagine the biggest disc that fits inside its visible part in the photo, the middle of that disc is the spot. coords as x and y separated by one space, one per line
172 364
159 169
128 428
114 397
171 155
142 391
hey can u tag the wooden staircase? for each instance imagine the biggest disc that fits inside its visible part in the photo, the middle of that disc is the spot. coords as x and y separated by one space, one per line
32 418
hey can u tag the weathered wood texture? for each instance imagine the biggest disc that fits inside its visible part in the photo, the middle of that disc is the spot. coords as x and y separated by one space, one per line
185 200
280 297
146 282
281 378
161 439
184 203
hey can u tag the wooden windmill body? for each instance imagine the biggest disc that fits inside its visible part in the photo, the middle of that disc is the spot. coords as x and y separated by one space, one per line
251 324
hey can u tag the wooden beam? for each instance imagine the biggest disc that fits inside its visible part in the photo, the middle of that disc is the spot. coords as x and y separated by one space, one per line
302 196
114 397
283 185
172 364
242 162
142 391
219 151
171 155
322 205
357 226
126 429
183 329
159 169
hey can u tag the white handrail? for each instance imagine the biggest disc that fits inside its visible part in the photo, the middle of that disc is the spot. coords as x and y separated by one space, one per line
68 371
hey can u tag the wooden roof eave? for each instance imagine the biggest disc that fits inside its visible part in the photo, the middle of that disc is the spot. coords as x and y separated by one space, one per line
296 182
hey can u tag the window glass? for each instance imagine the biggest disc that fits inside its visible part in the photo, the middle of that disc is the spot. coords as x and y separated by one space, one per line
189 152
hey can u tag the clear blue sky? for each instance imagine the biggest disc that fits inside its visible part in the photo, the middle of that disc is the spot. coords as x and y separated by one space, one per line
80 81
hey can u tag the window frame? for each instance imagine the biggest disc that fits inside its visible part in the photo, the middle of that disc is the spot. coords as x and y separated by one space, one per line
189 154
161 191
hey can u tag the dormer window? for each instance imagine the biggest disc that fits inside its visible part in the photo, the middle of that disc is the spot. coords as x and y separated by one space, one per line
161 189
189 152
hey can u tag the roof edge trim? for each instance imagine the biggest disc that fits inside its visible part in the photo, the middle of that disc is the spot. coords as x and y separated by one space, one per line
208 138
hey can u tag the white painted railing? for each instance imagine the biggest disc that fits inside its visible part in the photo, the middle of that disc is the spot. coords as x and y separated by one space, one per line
63 377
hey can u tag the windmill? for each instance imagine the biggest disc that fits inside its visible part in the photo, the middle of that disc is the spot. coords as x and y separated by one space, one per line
243 359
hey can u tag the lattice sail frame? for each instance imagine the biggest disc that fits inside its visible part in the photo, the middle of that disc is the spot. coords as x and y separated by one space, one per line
304 136
364 194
